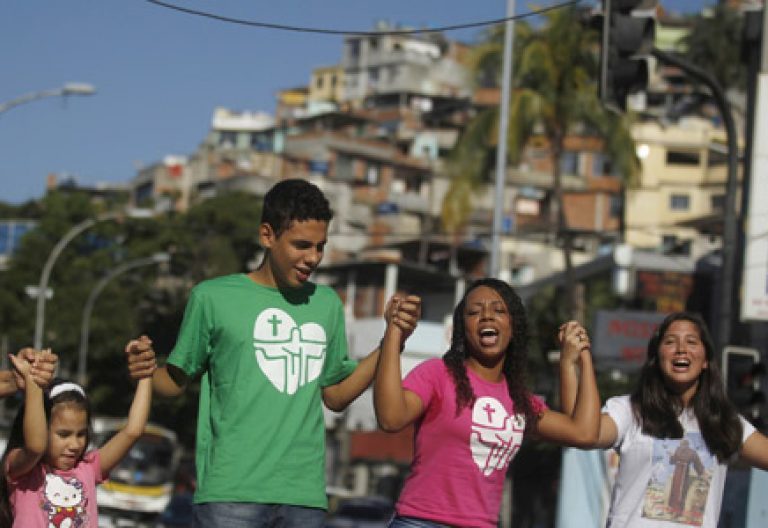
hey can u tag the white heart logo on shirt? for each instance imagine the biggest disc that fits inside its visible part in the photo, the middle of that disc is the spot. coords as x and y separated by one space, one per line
289 355
496 436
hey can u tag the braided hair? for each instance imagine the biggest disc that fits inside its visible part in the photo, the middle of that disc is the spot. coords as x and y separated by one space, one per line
514 368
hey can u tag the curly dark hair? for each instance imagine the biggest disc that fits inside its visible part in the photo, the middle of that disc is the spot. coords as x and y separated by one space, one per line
69 398
657 408
294 199
516 355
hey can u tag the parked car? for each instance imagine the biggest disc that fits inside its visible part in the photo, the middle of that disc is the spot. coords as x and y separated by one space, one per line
362 512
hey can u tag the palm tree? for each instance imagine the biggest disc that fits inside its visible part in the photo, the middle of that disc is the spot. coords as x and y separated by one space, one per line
554 94
714 43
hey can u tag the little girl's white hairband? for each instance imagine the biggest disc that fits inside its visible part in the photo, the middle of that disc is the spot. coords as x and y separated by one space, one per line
65 387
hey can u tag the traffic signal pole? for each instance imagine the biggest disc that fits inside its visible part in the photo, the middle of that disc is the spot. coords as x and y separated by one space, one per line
730 231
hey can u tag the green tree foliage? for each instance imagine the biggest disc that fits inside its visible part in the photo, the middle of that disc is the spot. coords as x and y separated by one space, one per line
554 95
714 44
214 238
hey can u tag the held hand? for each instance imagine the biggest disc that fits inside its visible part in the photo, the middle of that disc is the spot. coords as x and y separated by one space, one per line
43 366
21 369
573 339
407 312
141 359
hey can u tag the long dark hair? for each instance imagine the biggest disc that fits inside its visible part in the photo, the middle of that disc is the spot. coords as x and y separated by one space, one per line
657 408
68 397
515 357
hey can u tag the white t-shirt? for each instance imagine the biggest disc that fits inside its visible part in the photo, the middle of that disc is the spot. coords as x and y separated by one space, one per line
664 483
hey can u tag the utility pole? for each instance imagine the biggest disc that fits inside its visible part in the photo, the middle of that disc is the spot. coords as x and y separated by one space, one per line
501 148
730 228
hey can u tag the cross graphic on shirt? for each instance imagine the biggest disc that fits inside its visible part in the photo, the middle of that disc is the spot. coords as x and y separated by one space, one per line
275 322
489 411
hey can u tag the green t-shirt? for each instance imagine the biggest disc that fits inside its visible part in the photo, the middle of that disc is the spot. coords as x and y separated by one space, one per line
264 355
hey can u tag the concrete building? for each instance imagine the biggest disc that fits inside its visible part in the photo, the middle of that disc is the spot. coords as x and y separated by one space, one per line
426 64
327 85
682 178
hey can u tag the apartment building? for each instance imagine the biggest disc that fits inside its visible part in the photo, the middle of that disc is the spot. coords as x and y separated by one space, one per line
682 178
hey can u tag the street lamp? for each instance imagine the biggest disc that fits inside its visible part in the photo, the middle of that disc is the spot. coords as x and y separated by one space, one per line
64 91
157 258
45 275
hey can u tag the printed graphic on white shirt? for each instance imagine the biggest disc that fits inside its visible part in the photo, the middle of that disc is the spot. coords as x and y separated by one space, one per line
289 355
496 436
680 480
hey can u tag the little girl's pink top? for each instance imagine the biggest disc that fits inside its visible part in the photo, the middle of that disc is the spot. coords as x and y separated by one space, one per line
459 464
48 497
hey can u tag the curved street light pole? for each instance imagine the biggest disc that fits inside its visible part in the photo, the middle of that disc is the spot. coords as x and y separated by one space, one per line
45 275
64 91
157 258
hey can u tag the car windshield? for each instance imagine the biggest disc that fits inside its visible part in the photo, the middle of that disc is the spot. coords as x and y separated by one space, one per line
148 463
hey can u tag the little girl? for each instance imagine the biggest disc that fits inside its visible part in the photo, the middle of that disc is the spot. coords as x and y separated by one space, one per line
49 479
472 408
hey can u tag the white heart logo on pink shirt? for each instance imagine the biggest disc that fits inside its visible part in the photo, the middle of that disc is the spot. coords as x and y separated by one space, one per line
496 436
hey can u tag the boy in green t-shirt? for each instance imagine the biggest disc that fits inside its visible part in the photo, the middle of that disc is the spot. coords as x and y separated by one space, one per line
271 347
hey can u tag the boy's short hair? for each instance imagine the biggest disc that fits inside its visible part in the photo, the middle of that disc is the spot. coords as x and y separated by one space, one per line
294 199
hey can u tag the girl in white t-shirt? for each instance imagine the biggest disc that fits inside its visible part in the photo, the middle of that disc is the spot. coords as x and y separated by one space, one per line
472 408
675 433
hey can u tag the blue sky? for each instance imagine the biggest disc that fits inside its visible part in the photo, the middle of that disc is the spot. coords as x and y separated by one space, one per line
159 73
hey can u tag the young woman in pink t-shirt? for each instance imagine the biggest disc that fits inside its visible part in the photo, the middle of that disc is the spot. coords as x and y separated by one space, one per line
472 408
49 480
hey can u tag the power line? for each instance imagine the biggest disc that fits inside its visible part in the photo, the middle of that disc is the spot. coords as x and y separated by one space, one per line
303 29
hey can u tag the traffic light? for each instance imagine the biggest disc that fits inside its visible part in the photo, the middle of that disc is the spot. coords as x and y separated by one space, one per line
628 32
742 373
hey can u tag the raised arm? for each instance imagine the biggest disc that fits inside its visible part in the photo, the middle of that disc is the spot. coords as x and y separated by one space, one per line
118 446
43 366
168 381
21 460
406 313
395 407
7 384
578 424
755 450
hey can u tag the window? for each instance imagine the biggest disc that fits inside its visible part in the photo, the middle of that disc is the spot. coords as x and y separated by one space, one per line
601 165
615 206
354 49
373 75
319 82
372 174
681 157
717 202
679 202
569 162
717 158
228 138
261 142
668 243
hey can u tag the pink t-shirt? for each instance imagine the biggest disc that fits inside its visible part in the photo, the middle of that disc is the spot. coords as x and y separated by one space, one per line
47 497
459 462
